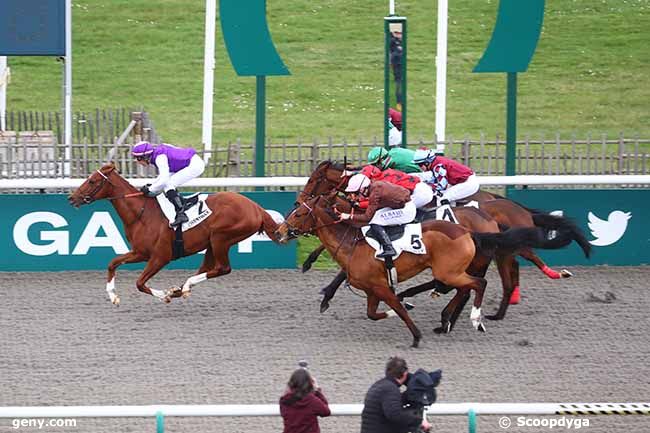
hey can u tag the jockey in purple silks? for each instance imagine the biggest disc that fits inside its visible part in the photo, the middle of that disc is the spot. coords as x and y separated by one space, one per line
176 166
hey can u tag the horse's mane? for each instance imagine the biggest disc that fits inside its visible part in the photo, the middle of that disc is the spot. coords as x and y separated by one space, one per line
334 164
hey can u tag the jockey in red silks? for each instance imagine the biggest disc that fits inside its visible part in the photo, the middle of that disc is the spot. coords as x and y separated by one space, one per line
388 204
176 166
421 193
452 180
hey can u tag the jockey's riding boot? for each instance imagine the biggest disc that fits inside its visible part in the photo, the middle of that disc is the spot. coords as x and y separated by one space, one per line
177 201
384 240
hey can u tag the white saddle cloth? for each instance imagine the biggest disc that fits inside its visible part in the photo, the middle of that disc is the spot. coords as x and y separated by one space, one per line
196 214
410 242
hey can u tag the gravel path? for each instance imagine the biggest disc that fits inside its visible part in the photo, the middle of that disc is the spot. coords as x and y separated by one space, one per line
236 340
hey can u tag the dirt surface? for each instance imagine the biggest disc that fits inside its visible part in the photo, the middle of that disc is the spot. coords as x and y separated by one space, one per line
238 338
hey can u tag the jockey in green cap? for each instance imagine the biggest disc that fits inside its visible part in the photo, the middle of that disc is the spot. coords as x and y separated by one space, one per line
396 158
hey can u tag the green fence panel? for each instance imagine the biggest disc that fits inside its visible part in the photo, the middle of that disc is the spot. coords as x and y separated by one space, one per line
614 221
45 233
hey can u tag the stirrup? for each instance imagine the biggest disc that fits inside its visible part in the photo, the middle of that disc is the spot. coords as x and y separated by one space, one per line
180 219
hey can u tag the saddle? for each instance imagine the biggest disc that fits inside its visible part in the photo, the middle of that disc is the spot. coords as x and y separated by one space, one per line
406 237
195 209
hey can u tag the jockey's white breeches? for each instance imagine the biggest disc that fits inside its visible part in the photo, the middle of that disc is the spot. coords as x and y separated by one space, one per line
387 216
462 190
192 171
422 194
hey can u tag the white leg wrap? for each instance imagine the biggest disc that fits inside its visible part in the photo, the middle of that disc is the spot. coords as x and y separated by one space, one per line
110 289
194 280
160 294
391 313
475 317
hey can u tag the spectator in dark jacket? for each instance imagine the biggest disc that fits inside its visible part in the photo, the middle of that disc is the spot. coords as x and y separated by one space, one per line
382 410
302 403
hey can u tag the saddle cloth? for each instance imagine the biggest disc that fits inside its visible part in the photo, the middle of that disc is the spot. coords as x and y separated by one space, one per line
196 213
410 241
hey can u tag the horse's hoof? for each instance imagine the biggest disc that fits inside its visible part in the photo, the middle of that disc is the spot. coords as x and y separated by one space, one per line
481 328
434 294
324 306
306 267
416 343
186 293
444 329
167 299
408 306
494 317
565 273
116 301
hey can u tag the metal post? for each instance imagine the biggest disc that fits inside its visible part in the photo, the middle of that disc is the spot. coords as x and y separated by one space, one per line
511 127
160 422
260 125
68 87
471 418
386 79
441 75
403 83
208 76
4 81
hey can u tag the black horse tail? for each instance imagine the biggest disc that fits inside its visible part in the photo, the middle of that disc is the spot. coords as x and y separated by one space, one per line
564 227
515 239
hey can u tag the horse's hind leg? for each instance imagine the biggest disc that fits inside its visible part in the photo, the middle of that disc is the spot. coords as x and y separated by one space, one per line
509 273
468 282
130 257
530 255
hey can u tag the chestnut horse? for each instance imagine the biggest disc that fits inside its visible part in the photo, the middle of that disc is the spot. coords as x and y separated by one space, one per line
450 248
327 176
234 218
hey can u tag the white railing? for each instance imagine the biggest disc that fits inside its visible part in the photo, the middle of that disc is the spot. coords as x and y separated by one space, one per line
289 181
469 409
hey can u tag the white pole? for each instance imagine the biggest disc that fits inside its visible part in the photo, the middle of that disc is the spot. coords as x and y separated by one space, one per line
68 87
4 81
208 75
441 75
391 7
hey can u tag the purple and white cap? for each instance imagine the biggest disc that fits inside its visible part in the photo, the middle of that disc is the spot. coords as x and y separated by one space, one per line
143 148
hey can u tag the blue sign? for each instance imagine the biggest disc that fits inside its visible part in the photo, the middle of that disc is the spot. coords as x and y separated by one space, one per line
32 28
45 233
615 223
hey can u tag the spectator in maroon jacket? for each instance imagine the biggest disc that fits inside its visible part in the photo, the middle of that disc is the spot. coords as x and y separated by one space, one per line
302 403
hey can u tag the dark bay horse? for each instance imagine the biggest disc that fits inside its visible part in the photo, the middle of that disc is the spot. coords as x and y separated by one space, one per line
451 249
327 176
234 218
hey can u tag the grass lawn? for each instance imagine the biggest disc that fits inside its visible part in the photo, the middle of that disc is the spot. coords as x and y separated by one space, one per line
589 74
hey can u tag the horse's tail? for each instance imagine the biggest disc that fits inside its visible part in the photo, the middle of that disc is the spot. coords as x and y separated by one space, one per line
269 226
563 226
518 238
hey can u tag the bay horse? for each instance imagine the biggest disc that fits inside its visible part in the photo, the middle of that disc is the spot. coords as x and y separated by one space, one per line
327 176
234 218
345 243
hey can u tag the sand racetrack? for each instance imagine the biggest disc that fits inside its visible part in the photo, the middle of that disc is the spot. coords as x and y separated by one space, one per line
237 339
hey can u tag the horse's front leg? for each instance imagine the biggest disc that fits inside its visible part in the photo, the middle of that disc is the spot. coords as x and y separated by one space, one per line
130 257
153 266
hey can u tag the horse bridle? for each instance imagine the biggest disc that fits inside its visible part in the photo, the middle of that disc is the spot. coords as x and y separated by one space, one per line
90 197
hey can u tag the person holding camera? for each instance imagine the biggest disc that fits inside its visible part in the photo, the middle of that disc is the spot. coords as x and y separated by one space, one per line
302 403
383 409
